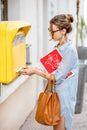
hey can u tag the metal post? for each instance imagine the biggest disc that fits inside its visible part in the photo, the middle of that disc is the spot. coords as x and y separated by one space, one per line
28 54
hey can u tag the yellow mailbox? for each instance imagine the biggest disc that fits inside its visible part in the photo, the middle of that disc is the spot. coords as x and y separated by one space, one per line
12 48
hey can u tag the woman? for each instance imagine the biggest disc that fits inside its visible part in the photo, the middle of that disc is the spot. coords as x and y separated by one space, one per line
59 28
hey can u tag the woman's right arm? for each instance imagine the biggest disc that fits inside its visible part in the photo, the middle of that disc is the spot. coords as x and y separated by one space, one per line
28 70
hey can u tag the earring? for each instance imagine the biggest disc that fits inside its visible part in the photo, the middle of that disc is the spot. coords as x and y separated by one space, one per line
63 39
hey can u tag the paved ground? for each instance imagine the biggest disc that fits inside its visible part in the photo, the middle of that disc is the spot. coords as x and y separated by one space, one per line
79 122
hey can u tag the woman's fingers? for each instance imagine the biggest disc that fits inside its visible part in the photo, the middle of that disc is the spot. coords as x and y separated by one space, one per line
27 70
25 67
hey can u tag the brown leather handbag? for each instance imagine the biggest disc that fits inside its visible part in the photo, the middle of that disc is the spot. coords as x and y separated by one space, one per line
48 106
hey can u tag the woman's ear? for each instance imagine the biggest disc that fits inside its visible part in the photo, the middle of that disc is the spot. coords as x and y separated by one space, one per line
63 31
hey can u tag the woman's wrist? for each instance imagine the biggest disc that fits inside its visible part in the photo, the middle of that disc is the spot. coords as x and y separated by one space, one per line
41 73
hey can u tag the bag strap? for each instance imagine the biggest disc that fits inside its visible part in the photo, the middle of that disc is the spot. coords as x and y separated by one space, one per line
51 84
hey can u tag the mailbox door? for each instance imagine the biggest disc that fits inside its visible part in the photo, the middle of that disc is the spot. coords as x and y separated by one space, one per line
19 53
17 56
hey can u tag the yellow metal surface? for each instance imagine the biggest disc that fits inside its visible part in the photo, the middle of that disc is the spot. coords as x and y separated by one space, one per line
12 56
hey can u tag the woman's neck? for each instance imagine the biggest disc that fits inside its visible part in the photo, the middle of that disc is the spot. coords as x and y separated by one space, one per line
62 41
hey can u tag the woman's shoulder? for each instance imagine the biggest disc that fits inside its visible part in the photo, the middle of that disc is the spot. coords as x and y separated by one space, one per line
68 48
71 48
72 52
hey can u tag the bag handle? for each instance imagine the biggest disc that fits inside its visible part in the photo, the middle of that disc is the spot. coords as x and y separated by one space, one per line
51 85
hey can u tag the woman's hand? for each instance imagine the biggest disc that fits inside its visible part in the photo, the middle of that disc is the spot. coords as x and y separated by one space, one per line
27 70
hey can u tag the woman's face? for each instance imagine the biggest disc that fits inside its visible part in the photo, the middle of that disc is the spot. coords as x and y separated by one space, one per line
55 33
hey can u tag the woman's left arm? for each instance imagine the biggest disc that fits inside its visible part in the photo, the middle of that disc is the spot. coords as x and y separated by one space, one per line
67 64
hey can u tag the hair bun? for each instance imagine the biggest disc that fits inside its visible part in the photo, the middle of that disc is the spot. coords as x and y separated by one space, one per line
70 18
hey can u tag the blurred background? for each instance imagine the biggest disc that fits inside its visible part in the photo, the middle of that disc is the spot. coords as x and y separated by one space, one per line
18 99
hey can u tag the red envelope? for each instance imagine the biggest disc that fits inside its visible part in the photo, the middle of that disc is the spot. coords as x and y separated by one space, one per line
71 73
51 60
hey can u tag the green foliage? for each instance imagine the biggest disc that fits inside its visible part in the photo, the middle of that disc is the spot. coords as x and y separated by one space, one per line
82 29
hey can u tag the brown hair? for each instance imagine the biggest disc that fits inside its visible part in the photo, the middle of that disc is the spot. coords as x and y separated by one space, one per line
63 21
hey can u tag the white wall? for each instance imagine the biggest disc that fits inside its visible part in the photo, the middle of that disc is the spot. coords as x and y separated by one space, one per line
52 11
85 11
26 10
15 109
68 7
13 9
